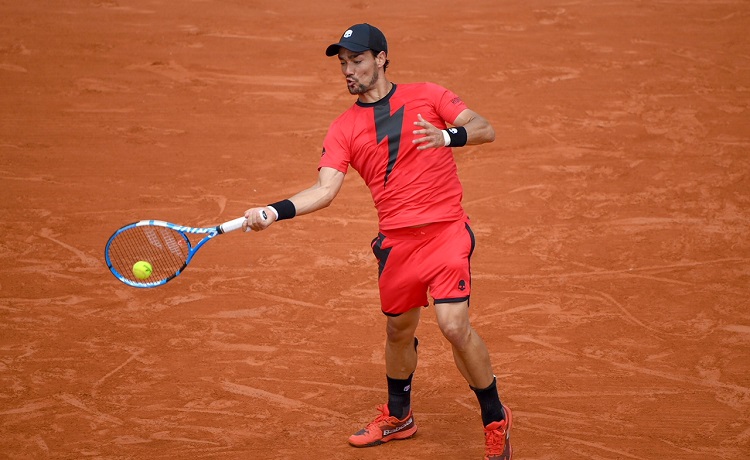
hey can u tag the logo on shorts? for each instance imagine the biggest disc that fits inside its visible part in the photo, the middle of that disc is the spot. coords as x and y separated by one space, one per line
462 285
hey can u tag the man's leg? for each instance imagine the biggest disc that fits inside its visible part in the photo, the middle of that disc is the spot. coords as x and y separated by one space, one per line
473 361
469 351
401 360
400 352
395 420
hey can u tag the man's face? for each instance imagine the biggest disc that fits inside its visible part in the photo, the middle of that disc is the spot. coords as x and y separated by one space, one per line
360 70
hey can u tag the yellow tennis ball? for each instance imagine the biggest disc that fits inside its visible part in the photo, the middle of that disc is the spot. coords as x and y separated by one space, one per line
142 269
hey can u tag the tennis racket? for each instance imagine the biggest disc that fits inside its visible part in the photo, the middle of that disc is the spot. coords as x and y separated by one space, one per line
164 246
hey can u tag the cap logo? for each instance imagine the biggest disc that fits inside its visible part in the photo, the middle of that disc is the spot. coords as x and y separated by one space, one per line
348 33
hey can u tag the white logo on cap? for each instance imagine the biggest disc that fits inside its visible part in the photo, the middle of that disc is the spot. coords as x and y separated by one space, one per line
348 33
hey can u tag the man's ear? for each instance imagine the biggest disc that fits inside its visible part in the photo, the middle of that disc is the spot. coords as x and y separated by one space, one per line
381 58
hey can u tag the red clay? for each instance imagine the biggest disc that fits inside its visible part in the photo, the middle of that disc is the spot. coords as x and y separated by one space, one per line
610 278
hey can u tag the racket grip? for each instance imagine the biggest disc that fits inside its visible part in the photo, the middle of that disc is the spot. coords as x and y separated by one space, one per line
232 225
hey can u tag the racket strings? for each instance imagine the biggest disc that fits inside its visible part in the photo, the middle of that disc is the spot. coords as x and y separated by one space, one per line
165 249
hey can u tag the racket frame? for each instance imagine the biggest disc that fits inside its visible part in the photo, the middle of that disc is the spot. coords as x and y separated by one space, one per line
184 231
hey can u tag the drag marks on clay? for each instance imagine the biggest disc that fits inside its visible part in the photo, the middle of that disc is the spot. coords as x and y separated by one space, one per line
619 273
608 299
88 108
551 16
168 436
575 421
7 175
739 328
714 385
539 75
290 301
30 407
174 71
257 313
88 261
133 356
115 6
618 393
101 86
316 384
632 273
20 304
245 347
13 68
241 36
90 413
594 445
279 400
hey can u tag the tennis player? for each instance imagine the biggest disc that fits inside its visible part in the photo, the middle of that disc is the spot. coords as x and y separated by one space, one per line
399 138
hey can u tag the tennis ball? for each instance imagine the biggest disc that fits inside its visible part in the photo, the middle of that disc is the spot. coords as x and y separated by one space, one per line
142 269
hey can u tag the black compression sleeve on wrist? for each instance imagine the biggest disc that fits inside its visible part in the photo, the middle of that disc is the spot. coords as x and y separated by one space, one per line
458 136
285 208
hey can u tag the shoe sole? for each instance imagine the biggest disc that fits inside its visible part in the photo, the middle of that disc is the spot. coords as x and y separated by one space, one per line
400 436
509 417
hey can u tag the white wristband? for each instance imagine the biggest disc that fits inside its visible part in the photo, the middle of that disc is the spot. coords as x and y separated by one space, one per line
446 137
276 213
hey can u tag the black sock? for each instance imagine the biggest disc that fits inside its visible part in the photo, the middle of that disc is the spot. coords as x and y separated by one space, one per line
399 396
399 393
489 403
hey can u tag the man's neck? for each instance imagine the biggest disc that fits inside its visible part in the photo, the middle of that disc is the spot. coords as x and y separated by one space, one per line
377 93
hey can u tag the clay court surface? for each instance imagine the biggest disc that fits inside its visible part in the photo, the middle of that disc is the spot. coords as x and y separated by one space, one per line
612 217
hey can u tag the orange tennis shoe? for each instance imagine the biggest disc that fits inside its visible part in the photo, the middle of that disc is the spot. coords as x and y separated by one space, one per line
383 429
497 438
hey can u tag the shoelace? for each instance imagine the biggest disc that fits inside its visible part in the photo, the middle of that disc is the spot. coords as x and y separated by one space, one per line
495 441
380 419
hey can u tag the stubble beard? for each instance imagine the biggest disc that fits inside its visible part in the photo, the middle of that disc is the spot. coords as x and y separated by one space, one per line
361 88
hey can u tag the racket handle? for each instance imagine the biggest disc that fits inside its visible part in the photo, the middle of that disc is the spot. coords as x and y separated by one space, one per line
232 225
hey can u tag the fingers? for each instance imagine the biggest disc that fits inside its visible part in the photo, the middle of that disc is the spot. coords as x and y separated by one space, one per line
432 137
257 219
424 124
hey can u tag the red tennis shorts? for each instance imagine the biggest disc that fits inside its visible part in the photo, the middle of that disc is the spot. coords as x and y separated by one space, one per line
413 262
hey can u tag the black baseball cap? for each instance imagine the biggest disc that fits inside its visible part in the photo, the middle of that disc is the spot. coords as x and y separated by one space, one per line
360 38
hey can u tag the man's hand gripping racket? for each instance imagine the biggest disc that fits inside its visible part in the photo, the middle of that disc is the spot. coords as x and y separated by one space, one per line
165 247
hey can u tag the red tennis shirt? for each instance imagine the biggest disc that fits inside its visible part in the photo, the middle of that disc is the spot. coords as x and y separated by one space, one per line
409 187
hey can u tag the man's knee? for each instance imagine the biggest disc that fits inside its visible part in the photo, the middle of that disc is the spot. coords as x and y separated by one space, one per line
453 320
399 336
457 333
400 329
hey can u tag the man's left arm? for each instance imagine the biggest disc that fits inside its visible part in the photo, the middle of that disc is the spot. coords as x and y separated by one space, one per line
478 129
469 128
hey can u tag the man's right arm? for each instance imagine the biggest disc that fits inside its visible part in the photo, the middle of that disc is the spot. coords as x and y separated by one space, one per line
312 199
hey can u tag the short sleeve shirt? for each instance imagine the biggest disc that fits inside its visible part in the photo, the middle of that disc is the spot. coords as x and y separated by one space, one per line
409 187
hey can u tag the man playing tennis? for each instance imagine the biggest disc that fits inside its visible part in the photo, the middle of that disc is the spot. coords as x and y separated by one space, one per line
399 139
